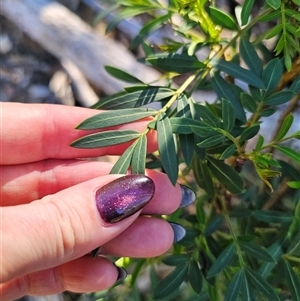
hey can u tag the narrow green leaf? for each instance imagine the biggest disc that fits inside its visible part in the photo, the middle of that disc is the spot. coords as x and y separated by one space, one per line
203 177
246 289
202 130
224 90
138 161
294 184
213 225
175 260
187 147
116 117
249 54
150 27
211 141
229 151
222 261
271 16
166 147
180 63
246 11
260 143
293 281
122 75
279 98
142 96
122 165
262 285
295 86
234 287
182 125
226 175
249 102
256 251
272 75
227 115
249 133
222 19
106 138
286 125
274 3
195 276
289 152
207 115
238 72
272 216
183 107
172 282
275 250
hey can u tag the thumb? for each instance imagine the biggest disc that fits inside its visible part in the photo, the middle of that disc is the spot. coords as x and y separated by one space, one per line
70 223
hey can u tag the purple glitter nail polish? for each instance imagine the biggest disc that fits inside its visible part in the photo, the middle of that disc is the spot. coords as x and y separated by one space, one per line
123 197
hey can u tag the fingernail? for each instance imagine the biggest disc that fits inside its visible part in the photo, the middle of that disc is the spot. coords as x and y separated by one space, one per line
179 232
123 197
188 196
122 274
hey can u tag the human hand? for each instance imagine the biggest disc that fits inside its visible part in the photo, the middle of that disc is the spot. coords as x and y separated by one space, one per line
52 215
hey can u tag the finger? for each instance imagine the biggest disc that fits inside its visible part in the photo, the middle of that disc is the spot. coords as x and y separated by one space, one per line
70 223
27 182
146 237
35 132
85 274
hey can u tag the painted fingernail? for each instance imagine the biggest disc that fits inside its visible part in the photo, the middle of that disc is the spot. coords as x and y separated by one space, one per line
188 196
179 232
123 197
122 274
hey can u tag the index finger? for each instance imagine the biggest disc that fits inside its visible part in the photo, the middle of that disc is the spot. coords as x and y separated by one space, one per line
33 132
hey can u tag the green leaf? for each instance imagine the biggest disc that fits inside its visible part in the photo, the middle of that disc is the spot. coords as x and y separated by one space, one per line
222 19
275 250
195 276
142 96
248 102
166 147
286 125
207 115
180 63
122 75
106 138
295 86
203 177
227 115
246 11
226 175
234 287
229 151
122 165
211 141
224 90
260 143
272 216
115 117
294 184
171 283
262 285
256 251
238 72
279 98
138 161
289 152
247 290
187 147
182 125
175 260
213 225
272 75
150 27
293 281
249 54
222 261
274 3
202 130
249 133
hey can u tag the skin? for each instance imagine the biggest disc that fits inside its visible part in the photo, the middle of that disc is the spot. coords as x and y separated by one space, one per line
49 220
